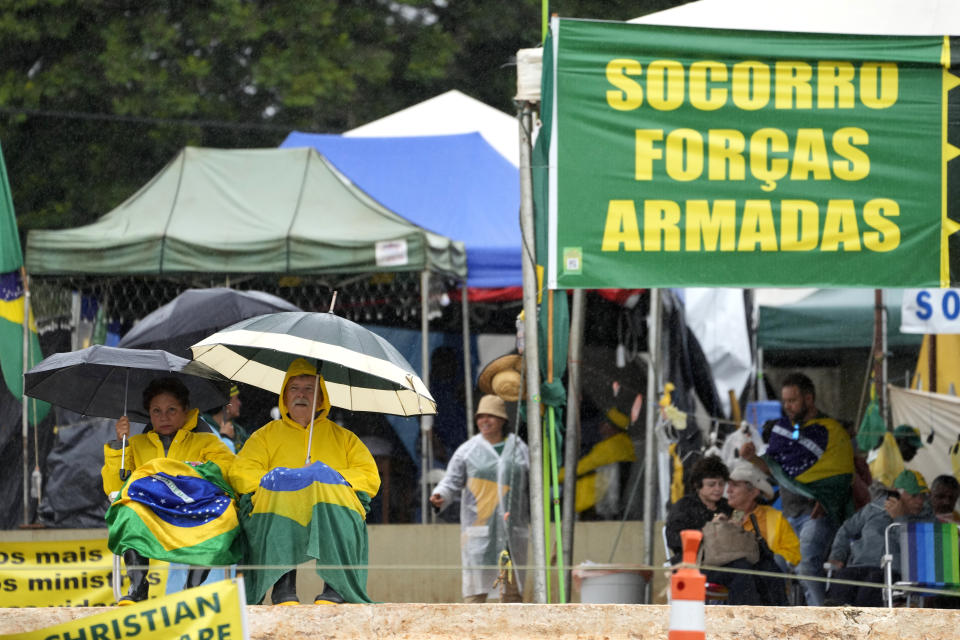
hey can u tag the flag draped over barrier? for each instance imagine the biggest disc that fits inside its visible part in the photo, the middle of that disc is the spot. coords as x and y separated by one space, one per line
700 157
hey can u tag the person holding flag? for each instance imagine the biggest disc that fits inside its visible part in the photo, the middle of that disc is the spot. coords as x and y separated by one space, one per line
172 503
305 501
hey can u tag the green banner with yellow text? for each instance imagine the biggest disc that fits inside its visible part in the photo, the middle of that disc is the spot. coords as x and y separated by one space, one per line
700 157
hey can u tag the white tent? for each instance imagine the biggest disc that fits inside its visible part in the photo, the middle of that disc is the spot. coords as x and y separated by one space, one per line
892 17
449 113
937 416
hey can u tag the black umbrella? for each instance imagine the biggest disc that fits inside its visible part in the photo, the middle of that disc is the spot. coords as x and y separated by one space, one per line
195 314
108 382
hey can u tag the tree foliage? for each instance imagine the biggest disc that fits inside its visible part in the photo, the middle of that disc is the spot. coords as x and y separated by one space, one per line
96 96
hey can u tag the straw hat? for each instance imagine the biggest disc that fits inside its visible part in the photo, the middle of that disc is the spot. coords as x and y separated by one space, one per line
502 377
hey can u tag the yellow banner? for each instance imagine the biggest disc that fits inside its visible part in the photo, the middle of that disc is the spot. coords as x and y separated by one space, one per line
212 612
65 573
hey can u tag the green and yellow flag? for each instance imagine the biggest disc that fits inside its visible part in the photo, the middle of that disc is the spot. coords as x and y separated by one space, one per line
12 303
176 512
303 513
815 460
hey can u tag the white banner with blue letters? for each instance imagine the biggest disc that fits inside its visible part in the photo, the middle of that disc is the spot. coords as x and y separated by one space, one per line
930 311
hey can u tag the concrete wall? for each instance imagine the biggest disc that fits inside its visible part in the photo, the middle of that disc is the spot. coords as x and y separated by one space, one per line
421 563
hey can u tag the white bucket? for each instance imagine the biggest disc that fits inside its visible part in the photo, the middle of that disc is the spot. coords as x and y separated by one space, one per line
612 588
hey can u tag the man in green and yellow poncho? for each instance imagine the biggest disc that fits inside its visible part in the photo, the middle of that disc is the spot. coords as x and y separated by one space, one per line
299 511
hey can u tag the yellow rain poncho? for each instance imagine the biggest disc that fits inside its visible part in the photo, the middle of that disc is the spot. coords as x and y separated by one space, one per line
300 512
188 445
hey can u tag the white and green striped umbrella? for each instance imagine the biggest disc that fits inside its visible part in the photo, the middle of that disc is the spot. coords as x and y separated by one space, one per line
363 372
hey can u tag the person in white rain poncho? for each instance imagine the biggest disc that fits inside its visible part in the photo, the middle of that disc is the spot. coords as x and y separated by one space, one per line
491 471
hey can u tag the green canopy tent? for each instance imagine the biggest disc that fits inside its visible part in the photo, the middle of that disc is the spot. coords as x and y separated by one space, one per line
831 319
245 211
251 211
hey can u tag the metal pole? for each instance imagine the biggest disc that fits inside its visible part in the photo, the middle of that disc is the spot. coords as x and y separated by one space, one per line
932 362
75 304
531 357
572 443
879 354
753 320
649 464
467 369
25 423
761 383
883 367
426 421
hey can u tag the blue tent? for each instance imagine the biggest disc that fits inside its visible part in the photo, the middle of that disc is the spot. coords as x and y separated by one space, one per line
455 185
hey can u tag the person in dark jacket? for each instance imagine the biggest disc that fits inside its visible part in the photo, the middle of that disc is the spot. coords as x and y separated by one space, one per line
703 503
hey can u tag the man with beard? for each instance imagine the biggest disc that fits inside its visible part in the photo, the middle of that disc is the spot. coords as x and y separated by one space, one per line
811 456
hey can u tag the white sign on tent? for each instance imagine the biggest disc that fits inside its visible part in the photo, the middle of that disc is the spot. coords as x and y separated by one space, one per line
930 311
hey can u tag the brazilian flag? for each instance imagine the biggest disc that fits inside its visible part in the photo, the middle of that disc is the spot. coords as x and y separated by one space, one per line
176 512
308 512
815 460
11 303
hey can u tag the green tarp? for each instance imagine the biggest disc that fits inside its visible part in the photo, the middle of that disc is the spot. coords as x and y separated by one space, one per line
245 211
831 319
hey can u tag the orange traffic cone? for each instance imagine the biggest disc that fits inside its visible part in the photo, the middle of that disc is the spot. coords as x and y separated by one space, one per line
688 592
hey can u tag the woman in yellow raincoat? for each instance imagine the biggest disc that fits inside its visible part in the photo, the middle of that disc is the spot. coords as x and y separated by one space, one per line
140 528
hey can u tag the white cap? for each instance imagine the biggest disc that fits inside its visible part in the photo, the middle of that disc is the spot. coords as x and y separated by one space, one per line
744 471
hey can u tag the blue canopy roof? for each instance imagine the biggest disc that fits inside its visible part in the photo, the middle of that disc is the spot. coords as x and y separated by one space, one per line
455 185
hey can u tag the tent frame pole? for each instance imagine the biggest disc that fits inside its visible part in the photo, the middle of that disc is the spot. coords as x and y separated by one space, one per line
572 435
532 360
649 449
24 405
426 421
467 358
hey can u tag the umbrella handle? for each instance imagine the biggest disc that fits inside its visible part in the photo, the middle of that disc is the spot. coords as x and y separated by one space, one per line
313 410
124 474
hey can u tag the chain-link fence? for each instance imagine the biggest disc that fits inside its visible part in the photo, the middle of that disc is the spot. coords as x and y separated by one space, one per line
391 299
73 312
